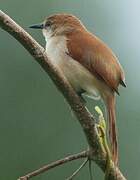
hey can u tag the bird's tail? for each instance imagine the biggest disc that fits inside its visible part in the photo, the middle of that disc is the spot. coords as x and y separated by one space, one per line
112 127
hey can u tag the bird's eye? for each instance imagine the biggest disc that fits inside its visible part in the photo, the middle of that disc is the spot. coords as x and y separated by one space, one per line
47 24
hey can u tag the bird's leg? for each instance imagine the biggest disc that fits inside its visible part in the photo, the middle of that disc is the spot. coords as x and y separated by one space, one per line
101 126
81 97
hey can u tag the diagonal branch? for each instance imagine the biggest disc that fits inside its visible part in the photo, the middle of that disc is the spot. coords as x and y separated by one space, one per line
83 115
83 154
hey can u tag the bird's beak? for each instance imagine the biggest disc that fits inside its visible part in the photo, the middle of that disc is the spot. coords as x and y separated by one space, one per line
37 26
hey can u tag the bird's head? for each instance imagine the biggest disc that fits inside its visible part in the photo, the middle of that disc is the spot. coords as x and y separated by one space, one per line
59 24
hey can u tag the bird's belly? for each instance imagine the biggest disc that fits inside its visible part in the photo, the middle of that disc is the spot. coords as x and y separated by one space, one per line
78 76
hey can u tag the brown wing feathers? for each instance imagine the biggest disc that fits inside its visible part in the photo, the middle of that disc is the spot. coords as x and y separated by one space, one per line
96 57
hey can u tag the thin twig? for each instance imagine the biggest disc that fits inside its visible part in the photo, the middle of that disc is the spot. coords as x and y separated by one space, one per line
78 170
90 170
45 168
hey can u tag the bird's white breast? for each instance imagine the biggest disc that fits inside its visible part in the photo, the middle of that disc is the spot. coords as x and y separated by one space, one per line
56 49
79 77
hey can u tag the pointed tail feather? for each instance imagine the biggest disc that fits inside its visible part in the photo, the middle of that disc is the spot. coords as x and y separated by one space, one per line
112 127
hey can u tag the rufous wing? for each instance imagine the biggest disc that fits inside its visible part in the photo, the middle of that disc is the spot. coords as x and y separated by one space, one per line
94 55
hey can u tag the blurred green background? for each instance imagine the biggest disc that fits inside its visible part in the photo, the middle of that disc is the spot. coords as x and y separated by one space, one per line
36 124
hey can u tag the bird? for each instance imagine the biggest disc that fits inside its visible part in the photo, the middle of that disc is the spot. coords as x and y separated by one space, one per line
87 62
